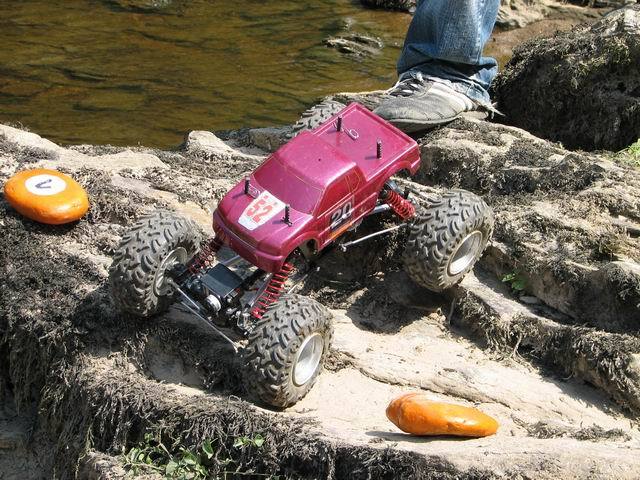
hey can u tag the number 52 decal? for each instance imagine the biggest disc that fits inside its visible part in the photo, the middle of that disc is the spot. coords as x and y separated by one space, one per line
260 210
341 215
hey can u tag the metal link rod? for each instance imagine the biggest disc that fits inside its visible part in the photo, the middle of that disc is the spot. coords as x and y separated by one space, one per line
344 246
199 315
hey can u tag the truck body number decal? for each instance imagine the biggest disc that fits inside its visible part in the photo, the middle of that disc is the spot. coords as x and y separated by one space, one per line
341 215
260 210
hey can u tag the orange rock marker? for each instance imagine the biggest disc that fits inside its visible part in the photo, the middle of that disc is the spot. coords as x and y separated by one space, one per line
414 413
46 196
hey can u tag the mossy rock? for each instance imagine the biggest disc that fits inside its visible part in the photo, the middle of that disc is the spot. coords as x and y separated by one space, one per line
581 88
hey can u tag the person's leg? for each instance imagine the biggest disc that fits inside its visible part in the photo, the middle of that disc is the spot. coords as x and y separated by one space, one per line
445 41
441 68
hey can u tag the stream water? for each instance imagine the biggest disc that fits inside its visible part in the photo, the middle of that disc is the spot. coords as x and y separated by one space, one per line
129 72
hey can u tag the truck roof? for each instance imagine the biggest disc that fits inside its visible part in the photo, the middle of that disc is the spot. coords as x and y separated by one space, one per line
310 163
358 138
313 160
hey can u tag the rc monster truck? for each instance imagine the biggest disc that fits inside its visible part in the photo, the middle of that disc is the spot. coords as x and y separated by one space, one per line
277 222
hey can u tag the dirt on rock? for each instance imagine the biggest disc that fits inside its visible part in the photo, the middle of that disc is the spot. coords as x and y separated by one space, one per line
581 87
561 371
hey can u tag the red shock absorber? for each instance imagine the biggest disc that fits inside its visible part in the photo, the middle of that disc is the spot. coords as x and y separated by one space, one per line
401 206
272 291
206 255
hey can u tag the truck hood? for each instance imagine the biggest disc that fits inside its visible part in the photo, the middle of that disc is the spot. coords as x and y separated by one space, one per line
258 218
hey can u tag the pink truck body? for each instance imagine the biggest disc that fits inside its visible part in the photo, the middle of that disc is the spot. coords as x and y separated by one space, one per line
326 179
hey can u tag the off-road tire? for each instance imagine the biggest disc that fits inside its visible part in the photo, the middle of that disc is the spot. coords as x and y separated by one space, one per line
139 256
274 344
317 115
439 228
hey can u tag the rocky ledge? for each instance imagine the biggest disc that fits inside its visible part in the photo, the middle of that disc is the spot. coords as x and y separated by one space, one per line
581 87
556 361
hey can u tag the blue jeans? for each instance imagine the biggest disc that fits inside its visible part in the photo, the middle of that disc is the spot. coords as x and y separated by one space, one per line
445 42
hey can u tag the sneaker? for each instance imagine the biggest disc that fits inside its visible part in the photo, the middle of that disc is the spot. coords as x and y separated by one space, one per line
415 103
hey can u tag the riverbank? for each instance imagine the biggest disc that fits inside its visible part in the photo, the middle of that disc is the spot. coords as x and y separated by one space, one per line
544 335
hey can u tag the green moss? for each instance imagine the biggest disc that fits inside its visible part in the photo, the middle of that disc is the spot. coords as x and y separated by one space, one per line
630 155
171 460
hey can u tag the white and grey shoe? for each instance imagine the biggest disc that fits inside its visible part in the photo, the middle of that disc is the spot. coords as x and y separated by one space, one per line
415 103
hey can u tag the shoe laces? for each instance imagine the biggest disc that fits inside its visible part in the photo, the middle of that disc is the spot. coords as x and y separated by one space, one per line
416 82
409 85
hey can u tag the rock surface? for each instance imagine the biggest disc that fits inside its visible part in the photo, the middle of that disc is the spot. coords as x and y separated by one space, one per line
403 5
142 6
356 44
562 375
581 88
519 13
512 13
20 450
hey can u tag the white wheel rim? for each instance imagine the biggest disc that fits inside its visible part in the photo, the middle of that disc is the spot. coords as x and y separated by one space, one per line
160 284
307 359
465 254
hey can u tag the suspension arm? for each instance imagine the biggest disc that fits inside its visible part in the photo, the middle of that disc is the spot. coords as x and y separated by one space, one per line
346 245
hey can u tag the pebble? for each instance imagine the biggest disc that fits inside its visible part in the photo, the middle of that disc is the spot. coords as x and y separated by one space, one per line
529 300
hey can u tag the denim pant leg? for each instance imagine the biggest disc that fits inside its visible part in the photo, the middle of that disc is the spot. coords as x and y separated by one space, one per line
445 42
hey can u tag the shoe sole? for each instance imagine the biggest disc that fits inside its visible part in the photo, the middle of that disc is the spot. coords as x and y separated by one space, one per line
411 126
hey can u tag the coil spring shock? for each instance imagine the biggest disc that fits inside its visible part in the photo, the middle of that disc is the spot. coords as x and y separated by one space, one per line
273 290
401 206
206 255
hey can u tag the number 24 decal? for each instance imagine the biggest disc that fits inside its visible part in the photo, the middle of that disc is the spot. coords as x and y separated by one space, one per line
340 215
